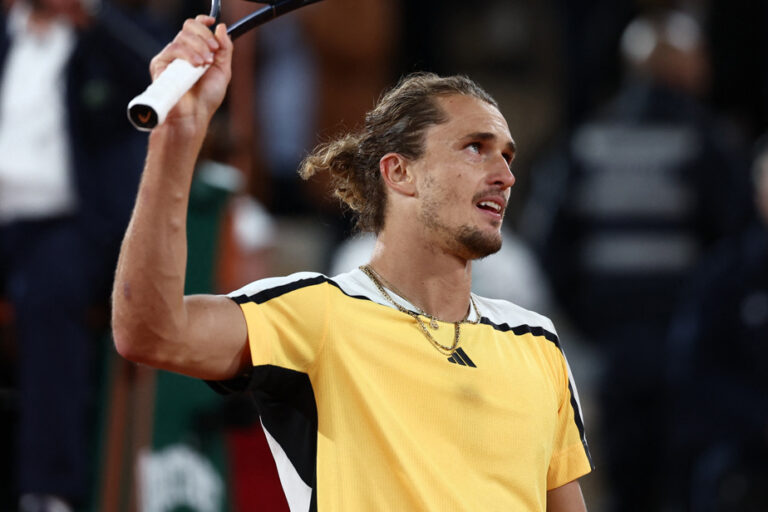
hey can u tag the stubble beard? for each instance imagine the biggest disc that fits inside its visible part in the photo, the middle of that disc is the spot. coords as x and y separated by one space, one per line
468 242
476 243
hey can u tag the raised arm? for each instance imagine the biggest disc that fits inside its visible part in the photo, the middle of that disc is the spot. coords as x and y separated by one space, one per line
153 323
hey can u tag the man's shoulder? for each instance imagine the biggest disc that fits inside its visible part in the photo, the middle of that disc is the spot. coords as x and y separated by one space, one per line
352 284
274 286
508 315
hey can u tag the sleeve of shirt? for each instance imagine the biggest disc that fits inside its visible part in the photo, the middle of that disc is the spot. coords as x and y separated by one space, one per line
571 458
287 319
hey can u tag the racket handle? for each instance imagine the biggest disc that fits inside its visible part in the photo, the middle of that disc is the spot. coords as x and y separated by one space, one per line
149 108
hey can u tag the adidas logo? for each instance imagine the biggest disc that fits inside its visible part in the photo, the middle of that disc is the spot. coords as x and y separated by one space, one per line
461 357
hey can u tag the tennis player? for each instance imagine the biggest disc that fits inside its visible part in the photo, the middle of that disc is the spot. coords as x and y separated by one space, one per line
391 387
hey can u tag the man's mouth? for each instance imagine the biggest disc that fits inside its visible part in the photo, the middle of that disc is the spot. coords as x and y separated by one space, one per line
491 202
491 206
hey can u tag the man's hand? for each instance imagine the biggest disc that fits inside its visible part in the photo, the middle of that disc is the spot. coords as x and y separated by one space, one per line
196 44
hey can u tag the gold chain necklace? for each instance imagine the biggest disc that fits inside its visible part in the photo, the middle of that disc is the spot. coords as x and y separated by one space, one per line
376 279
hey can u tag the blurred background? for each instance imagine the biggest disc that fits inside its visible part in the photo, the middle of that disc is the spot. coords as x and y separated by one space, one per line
638 223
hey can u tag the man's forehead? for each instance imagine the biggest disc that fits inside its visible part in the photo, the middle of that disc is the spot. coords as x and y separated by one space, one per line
468 115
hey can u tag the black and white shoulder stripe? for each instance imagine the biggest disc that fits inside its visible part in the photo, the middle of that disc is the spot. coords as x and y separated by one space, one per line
356 284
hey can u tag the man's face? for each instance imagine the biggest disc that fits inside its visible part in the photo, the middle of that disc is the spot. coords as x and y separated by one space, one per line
463 179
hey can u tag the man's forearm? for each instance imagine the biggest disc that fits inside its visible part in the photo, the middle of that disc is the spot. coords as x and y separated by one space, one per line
148 302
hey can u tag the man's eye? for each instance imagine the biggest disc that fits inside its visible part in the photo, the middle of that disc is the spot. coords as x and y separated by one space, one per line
474 147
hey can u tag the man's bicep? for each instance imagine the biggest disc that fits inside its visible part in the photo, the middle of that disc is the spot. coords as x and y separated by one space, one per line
566 498
217 338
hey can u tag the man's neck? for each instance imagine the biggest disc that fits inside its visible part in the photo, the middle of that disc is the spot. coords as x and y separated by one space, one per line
431 279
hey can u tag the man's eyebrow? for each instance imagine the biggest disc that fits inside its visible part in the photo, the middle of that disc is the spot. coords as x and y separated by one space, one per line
483 136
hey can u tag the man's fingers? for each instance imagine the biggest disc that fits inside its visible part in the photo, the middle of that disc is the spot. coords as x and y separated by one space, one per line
193 48
224 42
200 26
222 37
195 43
207 34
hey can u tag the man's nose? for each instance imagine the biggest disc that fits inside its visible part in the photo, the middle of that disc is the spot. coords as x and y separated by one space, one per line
502 175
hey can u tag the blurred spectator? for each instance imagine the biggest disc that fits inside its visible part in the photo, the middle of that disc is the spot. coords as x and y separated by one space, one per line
286 106
68 176
590 30
300 80
718 349
620 217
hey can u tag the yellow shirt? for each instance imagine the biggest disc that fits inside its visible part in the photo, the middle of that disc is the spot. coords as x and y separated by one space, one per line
362 413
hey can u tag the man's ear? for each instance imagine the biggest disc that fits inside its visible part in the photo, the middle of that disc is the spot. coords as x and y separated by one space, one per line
397 175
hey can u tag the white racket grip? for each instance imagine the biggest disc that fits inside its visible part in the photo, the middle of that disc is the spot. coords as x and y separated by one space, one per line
150 108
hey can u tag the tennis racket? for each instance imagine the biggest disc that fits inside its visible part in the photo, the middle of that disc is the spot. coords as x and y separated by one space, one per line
150 108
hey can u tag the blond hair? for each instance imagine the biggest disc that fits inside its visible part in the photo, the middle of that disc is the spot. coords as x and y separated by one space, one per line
396 125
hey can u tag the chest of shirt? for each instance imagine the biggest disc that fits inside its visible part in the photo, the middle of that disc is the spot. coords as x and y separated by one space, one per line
380 361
